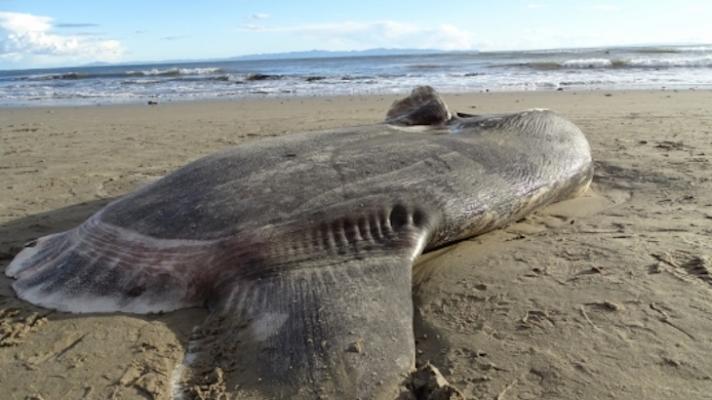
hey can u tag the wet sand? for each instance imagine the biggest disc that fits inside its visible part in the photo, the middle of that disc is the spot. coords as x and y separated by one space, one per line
604 296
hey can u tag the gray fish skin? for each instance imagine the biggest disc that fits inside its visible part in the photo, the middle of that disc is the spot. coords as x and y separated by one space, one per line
463 171
302 246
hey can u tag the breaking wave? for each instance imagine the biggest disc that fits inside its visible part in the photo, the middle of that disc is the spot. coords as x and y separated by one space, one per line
175 72
154 72
604 63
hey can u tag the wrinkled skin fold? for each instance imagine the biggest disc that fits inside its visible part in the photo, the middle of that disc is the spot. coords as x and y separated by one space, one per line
302 246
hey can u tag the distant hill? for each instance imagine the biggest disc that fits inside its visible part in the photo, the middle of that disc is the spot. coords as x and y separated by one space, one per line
332 54
294 55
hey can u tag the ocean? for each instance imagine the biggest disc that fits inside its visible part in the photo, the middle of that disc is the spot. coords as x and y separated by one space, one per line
671 67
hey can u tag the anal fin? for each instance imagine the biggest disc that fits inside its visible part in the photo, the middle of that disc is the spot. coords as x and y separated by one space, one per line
332 326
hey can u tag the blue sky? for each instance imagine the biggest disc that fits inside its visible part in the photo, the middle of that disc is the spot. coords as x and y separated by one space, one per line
39 33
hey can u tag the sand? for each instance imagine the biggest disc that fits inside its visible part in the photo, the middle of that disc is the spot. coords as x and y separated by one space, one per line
604 296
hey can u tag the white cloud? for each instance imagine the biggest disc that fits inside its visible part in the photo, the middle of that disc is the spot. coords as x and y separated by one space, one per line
28 39
72 25
349 35
259 16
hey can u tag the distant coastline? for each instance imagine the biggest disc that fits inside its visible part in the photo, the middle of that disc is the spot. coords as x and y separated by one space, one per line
290 55
338 54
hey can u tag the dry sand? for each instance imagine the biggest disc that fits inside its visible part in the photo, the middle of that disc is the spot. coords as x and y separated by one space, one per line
604 296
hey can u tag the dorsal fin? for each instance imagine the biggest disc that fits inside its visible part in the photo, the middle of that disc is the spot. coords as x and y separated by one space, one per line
422 107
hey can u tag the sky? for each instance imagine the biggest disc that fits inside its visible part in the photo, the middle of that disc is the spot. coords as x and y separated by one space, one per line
50 33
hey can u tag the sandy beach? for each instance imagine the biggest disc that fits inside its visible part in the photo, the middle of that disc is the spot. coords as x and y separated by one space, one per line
607 296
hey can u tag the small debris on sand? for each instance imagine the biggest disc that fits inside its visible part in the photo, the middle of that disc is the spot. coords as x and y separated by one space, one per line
357 346
427 383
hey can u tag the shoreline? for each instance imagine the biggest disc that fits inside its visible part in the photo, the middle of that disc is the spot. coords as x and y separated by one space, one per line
282 98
